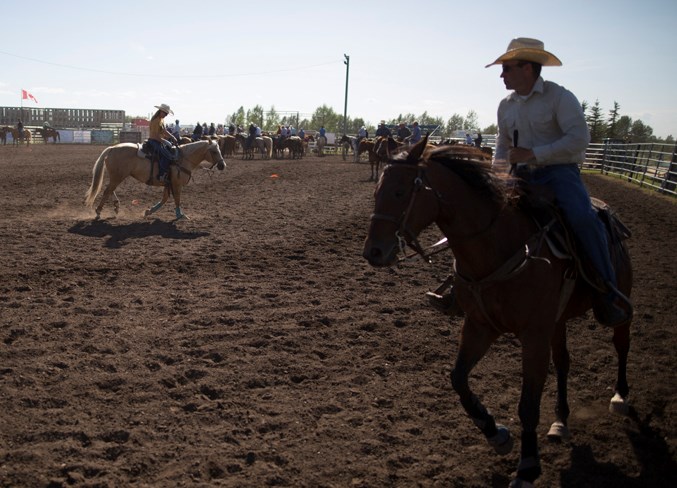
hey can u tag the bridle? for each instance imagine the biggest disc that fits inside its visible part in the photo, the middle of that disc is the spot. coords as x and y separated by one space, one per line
401 222
214 145
421 183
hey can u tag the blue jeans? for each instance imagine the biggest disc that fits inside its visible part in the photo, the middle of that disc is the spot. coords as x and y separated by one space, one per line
572 198
163 150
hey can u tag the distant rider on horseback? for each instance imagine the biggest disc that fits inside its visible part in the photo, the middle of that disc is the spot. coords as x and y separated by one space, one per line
197 132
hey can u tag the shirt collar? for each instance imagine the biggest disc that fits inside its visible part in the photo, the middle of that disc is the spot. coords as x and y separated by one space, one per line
537 88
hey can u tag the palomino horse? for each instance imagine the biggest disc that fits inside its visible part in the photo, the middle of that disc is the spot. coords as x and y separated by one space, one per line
267 151
349 143
48 133
123 160
507 281
321 142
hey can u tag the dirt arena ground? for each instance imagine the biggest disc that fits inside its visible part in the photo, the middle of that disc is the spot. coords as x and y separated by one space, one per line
253 346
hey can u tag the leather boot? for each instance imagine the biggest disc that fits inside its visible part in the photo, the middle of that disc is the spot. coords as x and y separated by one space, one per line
446 304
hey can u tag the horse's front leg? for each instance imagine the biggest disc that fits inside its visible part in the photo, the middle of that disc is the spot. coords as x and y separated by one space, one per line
535 360
158 205
475 342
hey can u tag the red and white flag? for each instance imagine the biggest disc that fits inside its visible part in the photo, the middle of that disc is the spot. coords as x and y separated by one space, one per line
25 96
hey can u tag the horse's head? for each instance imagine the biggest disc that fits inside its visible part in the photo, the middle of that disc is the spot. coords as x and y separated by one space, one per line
215 157
404 206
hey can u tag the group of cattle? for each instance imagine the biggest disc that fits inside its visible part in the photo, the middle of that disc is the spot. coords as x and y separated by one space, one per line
25 135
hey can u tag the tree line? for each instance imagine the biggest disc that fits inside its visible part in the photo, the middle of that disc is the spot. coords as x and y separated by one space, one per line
617 126
613 126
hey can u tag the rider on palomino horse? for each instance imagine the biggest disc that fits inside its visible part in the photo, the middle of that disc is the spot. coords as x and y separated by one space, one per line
159 140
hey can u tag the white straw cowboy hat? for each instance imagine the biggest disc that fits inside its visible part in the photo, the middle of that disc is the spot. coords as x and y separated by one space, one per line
526 49
165 108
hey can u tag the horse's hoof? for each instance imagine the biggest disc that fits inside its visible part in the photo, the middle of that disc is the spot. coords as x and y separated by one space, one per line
519 483
558 431
619 405
502 442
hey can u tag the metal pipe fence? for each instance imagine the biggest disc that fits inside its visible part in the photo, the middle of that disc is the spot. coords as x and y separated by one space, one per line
652 165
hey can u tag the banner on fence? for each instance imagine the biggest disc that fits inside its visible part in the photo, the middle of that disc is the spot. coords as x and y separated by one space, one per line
82 136
65 135
102 136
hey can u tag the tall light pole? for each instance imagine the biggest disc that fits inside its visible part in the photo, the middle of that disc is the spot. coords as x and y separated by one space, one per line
345 104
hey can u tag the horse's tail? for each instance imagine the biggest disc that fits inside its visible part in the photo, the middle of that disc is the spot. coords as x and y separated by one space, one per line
269 147
97 178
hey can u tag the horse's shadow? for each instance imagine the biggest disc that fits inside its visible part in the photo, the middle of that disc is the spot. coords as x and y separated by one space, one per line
658 468
119 235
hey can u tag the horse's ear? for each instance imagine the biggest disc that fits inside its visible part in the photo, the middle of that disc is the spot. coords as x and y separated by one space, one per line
415 154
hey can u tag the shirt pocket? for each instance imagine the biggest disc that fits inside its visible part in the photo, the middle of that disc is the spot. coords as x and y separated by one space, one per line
543 120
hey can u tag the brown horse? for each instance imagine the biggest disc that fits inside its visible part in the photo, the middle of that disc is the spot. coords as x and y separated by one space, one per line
367 145
507 281
295 146
17 137
227 145
3 134
122 160
48 133
379 153
306 140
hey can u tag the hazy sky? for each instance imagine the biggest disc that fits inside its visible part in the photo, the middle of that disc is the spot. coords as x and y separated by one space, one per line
405 57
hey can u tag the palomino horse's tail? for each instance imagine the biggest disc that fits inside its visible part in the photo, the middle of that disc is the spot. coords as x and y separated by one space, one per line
97 178
269 147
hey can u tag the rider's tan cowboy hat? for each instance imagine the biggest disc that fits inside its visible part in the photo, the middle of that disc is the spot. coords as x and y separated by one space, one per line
165 108
526 49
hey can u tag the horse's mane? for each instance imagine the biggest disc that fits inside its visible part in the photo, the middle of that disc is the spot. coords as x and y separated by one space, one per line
471 165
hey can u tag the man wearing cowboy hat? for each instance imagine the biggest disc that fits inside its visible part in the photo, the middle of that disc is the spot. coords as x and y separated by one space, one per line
382 130
543 135
159 140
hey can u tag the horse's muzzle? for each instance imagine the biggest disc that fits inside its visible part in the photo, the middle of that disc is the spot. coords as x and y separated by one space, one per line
379 256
